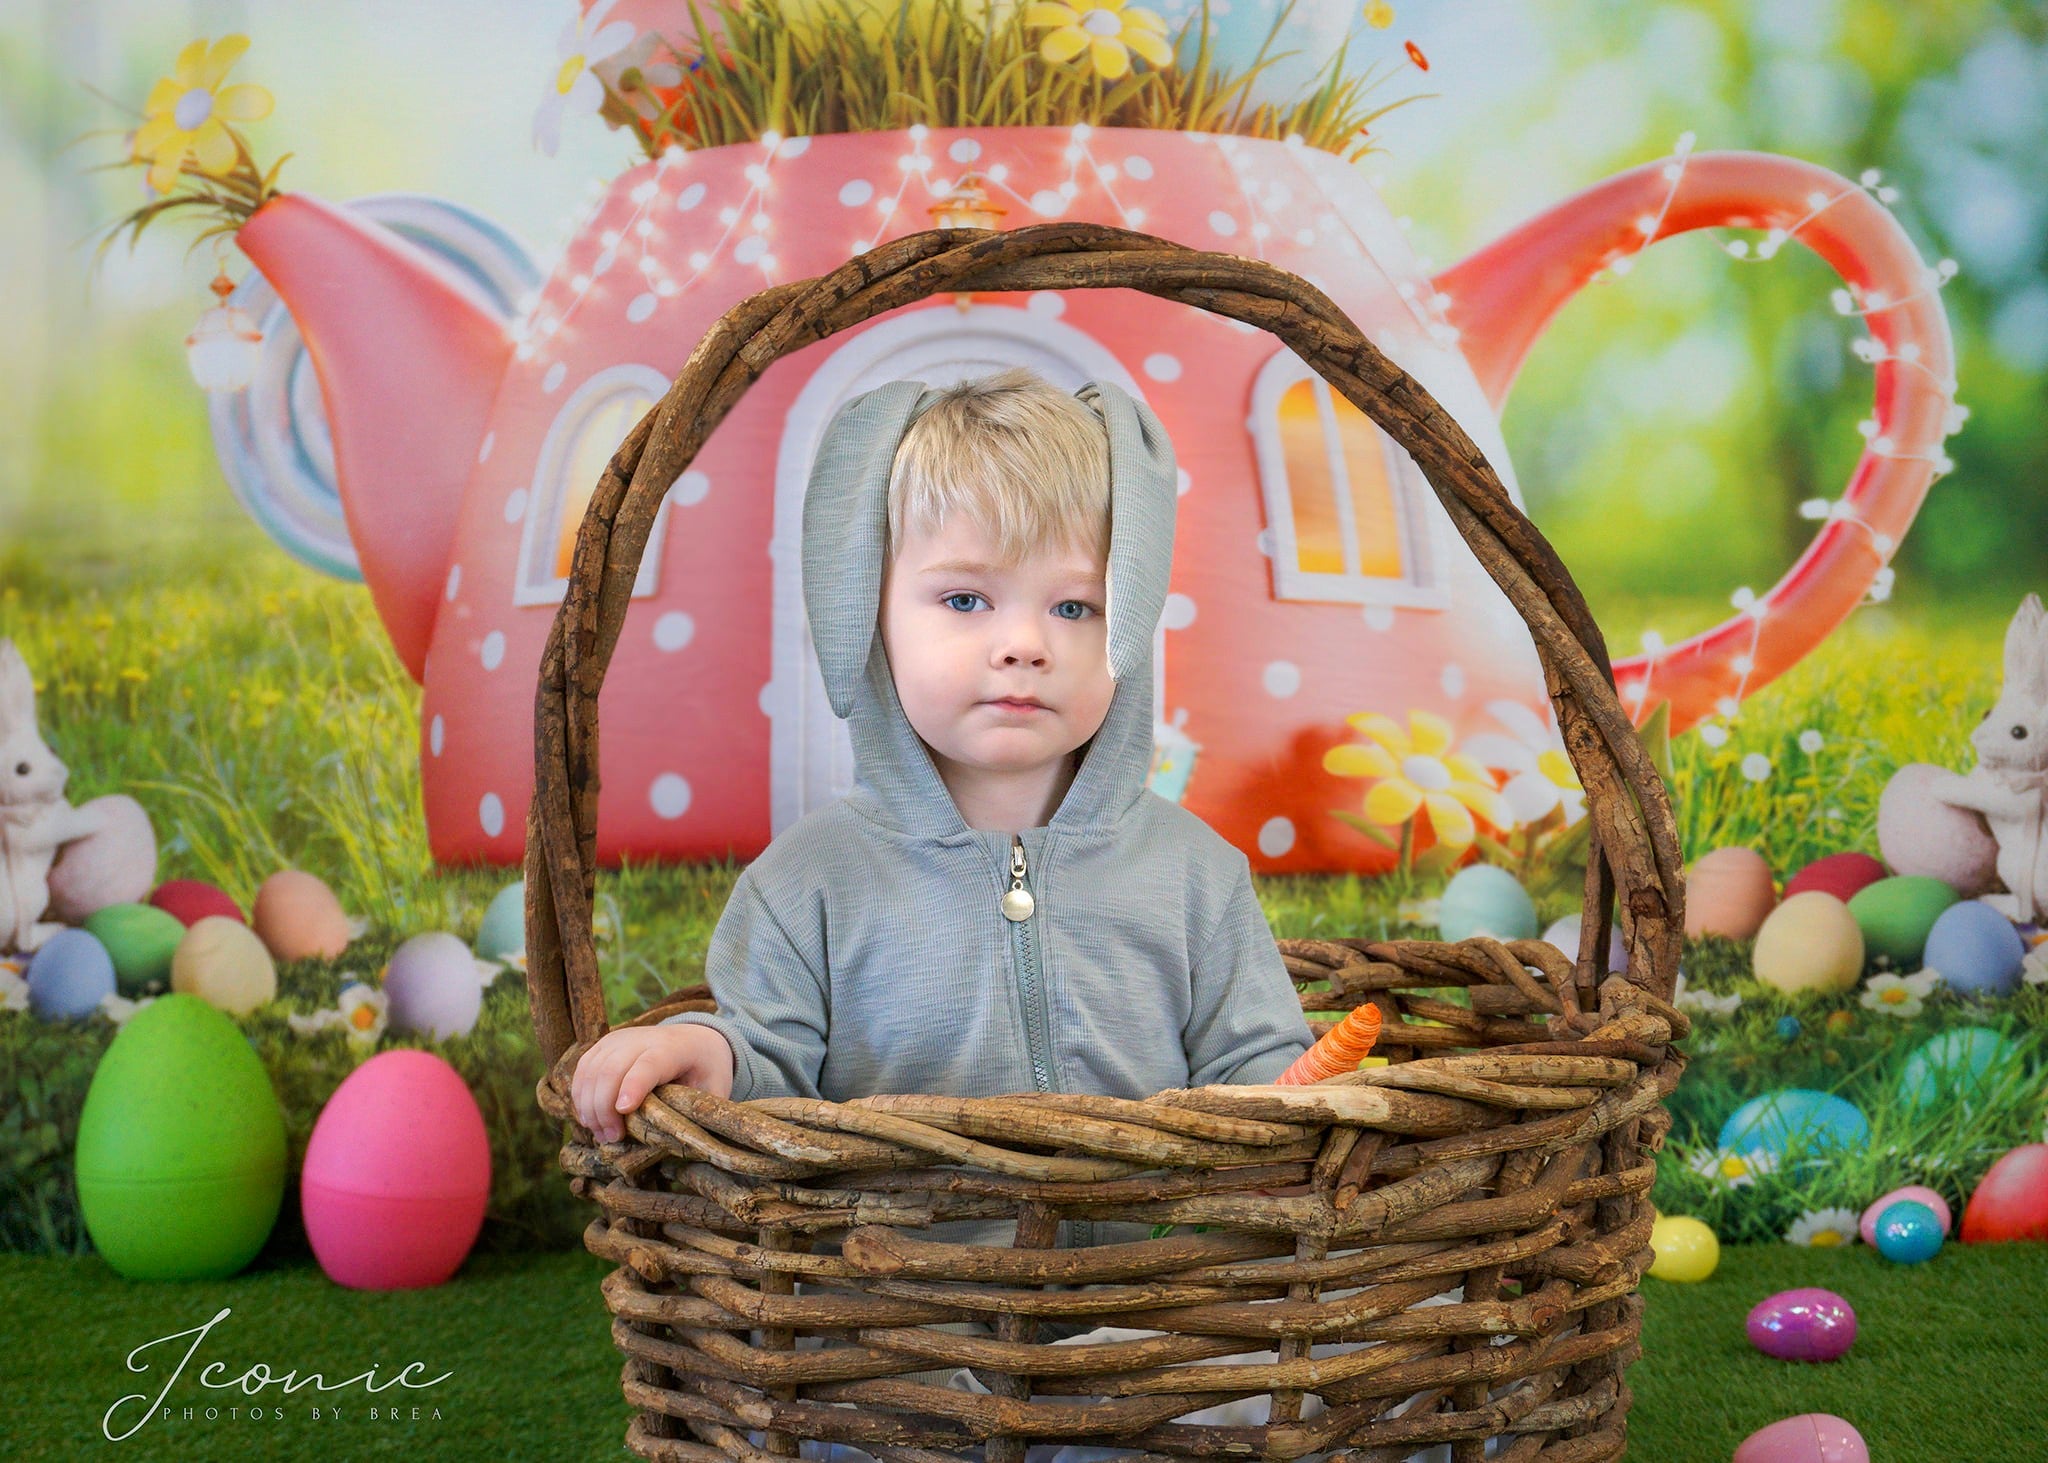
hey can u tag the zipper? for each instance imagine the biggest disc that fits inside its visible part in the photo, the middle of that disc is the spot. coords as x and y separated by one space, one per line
1018 907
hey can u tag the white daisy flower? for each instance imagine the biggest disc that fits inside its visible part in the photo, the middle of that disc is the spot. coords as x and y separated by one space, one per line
1899 995
2035 966
1540 774
575 88
1823 1228
1418 911
1732 1168
118 1008
363 1010
13 989
1704 1002
357 928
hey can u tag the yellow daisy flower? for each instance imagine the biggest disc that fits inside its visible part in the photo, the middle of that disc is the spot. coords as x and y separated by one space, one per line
1379 15
1109 30
1417 770
187 113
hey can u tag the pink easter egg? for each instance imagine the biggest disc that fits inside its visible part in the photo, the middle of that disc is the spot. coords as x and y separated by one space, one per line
1809 1324
397 1174
1811 1437
1919 1194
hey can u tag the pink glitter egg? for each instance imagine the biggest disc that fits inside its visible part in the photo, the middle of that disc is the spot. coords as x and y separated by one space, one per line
1802 1325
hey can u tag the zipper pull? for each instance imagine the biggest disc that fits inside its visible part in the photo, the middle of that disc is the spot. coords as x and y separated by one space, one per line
1017 901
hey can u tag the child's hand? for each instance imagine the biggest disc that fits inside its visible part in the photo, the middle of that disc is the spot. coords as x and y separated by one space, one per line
625 1065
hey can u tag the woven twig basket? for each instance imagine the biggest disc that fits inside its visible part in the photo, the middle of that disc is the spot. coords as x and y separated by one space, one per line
772 1286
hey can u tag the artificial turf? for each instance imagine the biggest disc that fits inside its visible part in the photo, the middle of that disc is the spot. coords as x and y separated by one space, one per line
1950 1362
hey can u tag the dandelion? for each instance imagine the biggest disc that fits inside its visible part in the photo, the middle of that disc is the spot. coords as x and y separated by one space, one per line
1811 741
1704 1002
1823 1229
1379 15
1109 30
1712 735
1899 995
1727 1166
1756 767
1416 771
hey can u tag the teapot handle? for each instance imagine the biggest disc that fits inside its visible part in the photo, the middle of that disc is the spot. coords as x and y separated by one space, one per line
1503 296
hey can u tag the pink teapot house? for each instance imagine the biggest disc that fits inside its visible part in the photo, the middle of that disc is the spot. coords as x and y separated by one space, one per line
1317 576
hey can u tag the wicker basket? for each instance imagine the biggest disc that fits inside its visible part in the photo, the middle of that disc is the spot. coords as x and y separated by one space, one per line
772 1286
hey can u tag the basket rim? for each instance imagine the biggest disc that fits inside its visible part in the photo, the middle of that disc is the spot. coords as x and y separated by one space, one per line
1633 849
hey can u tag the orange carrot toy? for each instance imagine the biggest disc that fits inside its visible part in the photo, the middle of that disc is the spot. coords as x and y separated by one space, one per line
1340 1049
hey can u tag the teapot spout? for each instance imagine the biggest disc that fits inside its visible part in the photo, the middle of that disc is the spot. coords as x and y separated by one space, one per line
409 357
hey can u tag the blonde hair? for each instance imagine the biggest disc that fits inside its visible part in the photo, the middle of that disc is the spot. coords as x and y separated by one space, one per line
1024 460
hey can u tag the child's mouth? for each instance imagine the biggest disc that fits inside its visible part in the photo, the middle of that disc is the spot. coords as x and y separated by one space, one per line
1018 706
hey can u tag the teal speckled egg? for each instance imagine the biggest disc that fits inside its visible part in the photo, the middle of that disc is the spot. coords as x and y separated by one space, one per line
1486 900
503 932
1953 1065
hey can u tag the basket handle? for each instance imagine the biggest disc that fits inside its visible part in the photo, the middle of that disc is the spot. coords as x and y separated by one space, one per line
1634 843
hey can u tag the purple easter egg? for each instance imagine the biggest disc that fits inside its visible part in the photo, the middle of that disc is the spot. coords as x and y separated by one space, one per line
1802 1325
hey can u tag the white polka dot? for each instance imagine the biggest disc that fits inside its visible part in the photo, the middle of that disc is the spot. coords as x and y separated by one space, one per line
673 630
1162 367
1453 680
670 795
515 505
642 306
1222 223
964 150
1180 612
856 192
689 489
1379 617
1276 836
1046 303
749 249
454 580
1049 201
483 453
766 700
494 649
690 197
793 147
437 734
1282 678
1181 482
550 382
491 814
605 261
1137 167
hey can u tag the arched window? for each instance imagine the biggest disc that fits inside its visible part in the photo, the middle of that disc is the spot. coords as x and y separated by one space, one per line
584 435
1344 502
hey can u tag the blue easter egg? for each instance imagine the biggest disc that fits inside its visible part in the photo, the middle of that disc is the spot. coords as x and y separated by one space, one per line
1773 1121
1952 1065
1788 1028
1485 900
1976 949
503 932
69 976
1908 1232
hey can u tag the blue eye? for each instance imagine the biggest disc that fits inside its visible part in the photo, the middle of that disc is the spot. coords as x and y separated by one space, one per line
962 594
1083 608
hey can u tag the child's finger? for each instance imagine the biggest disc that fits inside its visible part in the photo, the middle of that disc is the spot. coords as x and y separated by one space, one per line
638 1081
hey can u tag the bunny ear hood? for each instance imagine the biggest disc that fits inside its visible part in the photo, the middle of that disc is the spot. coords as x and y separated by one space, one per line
845 525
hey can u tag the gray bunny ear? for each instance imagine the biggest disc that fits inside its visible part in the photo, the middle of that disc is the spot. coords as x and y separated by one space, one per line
2026 651
846 523
1143 497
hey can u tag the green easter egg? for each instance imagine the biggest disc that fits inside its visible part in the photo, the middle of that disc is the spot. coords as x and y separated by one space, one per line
503 932
1896 914
181 1146
141 938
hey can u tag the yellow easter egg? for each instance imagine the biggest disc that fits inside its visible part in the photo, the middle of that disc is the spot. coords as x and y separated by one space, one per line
221 961
1686 1249
1810 946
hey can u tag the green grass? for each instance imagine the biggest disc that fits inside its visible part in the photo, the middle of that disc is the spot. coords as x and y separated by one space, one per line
1947 1362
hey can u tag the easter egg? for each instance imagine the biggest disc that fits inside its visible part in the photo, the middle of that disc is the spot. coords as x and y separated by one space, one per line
1952 1065
1687 1250
181 1146
1976 949
1776 1120
1809 1324
1843 875
1728 892
220 960
141 939
298 918
2012 1201
503 932
1787 1028
69 976
192 901
1564 934
1921 834
1919 1194
1483 899
113 864
1809 946
1908 1232
397 1174
433 987
1811 1437
1896 916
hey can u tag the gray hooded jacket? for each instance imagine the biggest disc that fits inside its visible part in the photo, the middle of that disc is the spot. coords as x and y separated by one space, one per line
866 949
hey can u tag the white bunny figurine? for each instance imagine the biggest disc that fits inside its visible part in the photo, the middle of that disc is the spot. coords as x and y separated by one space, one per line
2009 784
35 820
